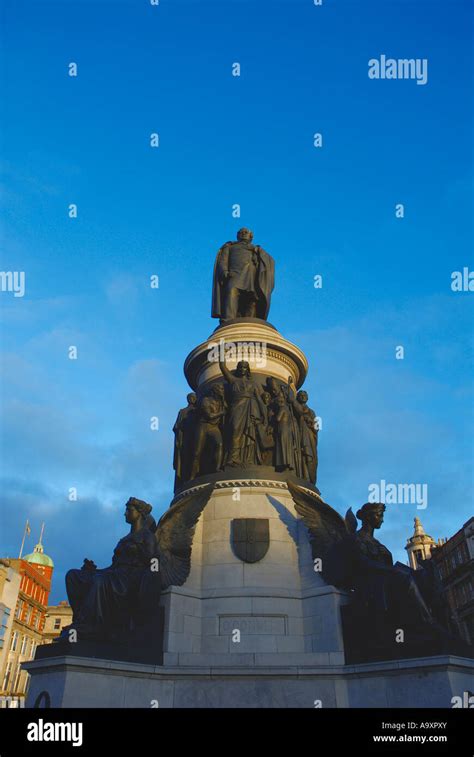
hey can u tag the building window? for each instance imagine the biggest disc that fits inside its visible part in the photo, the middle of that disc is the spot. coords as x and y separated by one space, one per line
4 615
33 649
459 594
16 679
7 675
464 592
447 566
24 644
28 614
469 621
14 641
19 608
57 624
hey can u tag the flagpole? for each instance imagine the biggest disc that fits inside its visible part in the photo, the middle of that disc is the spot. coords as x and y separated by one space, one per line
27 526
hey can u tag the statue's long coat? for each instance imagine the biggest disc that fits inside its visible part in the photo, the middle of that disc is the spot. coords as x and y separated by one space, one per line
265 280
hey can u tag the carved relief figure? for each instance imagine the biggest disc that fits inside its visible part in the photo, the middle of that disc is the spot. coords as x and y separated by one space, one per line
286 441
184 441
308 435
210 416
246 411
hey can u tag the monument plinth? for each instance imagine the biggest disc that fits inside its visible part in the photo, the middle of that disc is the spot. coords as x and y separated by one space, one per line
252 596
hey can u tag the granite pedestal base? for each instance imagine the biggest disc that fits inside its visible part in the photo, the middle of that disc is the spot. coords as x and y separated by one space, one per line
82 682
230 610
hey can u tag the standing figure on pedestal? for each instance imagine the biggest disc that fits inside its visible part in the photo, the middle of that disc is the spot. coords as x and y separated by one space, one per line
308 433
246 411
265 430
286 440
184 441
243 280
210 415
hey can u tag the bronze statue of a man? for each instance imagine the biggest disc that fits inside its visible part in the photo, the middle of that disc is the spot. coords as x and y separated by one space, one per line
244 276
183 441
308 434
210 418
246 411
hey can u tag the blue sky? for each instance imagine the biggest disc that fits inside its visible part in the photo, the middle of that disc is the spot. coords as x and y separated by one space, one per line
165 211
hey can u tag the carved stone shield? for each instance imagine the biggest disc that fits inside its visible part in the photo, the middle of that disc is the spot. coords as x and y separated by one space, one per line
250 538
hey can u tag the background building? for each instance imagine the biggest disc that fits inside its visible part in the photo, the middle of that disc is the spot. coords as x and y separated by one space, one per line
455 558
10 581
57 617
26 619
34 573
419 545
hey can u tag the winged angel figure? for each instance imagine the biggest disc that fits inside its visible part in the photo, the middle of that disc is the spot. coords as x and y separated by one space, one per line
111 601
354 560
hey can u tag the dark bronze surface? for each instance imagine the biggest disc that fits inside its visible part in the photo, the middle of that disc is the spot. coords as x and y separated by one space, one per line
184 430
244 277
250 538
385 597
246 421
119 605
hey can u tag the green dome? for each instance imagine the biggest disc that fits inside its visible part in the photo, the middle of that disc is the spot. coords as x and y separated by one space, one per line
37 557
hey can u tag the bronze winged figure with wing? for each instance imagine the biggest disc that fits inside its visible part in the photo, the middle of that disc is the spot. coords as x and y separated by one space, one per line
112 602
354 560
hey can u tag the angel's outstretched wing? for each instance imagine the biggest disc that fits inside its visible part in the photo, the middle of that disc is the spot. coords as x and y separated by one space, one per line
351 521
328 531
174 536
324 524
